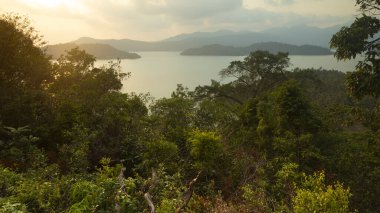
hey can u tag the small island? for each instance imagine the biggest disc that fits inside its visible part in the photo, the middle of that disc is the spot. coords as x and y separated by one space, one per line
100 51
272 47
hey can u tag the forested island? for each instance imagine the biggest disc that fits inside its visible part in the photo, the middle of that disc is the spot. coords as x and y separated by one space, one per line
273 139
272 47
100 51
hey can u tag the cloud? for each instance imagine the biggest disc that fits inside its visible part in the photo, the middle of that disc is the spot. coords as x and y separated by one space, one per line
280 2
260 19
165 17
305 7
176 16
187 9
158 19
170 9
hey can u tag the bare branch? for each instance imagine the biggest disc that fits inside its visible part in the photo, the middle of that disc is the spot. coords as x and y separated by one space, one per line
122 188
147 196
148 199
188 194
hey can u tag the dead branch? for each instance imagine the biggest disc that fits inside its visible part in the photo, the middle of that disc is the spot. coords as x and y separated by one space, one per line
122 188
147 196
148 199
188 194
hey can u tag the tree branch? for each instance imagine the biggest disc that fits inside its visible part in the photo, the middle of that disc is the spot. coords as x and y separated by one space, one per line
147 196
122 188
188 194
148 199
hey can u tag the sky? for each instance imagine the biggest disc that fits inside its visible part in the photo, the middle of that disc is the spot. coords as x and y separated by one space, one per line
62 21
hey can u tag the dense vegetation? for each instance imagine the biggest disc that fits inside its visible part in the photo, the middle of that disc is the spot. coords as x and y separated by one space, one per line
271 140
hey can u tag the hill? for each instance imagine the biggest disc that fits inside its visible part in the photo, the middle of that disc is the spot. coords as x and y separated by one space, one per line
299 35
100 51
272 47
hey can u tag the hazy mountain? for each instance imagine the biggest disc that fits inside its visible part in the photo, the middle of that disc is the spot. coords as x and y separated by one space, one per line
134 45
300 35
201 35
273 47
100 51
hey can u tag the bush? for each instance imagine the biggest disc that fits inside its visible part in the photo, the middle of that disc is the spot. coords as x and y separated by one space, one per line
315 196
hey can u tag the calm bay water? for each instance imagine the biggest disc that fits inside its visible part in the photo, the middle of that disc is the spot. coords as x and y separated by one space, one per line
159 72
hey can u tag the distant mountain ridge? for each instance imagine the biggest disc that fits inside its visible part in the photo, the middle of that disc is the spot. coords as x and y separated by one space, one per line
297 35
273 47
300 35
100 51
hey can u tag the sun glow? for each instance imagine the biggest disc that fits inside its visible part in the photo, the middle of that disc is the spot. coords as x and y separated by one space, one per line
71 5
44 3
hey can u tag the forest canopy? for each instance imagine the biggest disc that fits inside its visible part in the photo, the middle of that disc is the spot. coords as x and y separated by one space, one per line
273 139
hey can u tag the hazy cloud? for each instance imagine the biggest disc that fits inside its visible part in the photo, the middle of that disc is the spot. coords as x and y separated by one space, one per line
280 2
64 20
305 7
187 9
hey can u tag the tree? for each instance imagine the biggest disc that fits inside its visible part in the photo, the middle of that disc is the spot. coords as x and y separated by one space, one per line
77 78
18 149
294 110
362 38
25 73
260 71
23 63
174 116
83 94
206 150
288 126
117 120
315 196
356 162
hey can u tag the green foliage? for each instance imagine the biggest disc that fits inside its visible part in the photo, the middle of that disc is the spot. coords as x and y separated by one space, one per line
12 207
361 38
25 72
74 155
206 150
70 141
287 178
76 76
255 199
8 181
117 122
18 149
211 115
106 178
356 163
160 152
86 196
167 111
258 72
294 111
353 40
40 196
287 127
43 192
169 190
315 196
88 98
